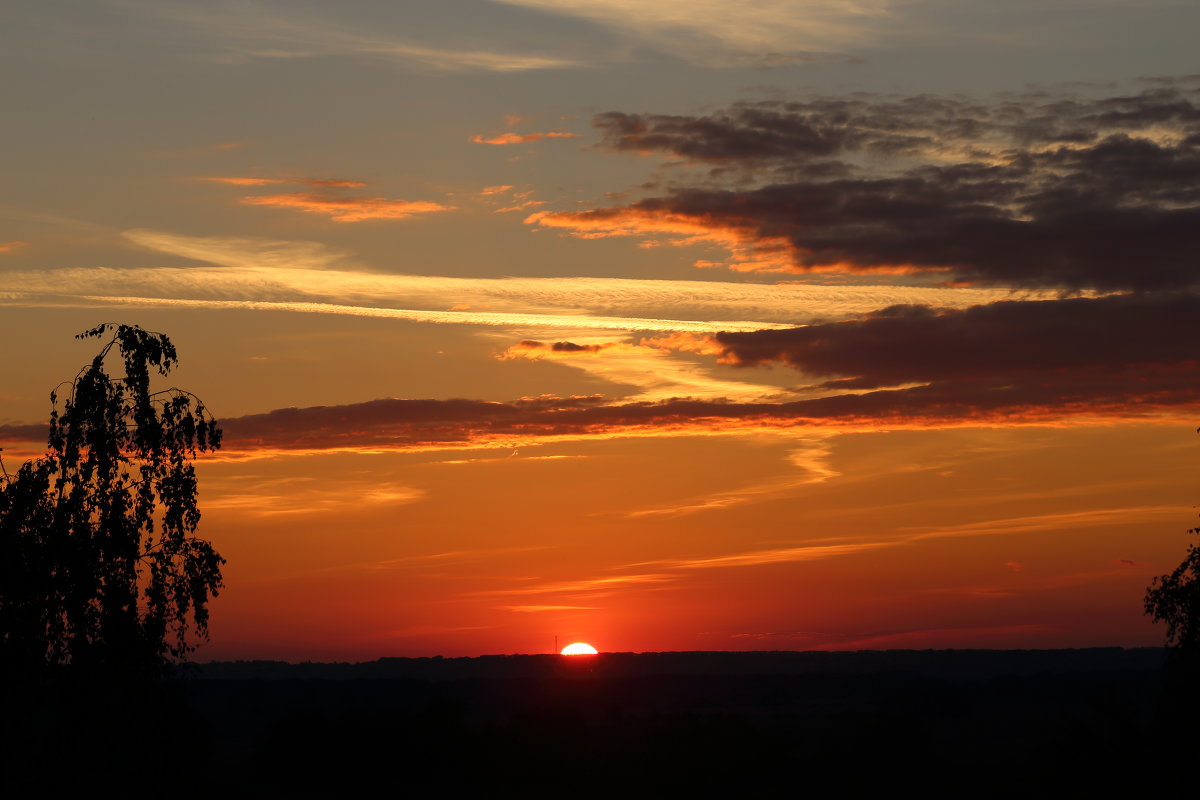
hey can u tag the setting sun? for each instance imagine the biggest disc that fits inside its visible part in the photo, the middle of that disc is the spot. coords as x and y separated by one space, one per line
579 649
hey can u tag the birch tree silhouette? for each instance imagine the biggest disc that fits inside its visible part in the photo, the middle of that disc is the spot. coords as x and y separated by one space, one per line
100 567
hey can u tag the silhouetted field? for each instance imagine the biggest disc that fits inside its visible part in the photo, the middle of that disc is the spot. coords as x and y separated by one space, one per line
964 723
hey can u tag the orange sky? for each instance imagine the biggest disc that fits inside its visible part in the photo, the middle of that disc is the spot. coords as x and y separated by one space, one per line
661 329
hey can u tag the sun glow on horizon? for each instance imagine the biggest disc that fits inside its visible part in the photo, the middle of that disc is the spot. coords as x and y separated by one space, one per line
579 649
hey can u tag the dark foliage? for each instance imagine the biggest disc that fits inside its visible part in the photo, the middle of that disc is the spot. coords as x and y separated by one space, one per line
1174 599
100 569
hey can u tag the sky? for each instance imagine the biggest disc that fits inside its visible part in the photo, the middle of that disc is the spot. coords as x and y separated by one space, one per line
796 324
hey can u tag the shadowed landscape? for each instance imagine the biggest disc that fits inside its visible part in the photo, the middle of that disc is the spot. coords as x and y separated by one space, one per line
821 373
987 723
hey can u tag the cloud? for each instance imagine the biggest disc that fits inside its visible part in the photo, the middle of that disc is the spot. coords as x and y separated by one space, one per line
309 277
538 350
260 29
281 497
1044 342
635 576
1082 353
234 181
776 555
1009 362
521 138
8 247
328 200
1057 191
250 254
517 320
332 183
346 209
518 201
592 586
654 371
401 424
812 458
757 132
716 33
1045 522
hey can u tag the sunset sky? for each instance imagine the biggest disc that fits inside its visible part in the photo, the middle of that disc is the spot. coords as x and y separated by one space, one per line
683 325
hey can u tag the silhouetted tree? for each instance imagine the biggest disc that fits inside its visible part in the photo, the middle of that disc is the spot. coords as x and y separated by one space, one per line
100 568
1174 598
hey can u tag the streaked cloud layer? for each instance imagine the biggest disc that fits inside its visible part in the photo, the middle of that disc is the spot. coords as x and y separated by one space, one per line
715 33
798 323
297 273
1066 191
261 29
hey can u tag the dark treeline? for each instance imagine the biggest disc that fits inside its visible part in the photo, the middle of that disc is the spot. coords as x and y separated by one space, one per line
978 723
966 664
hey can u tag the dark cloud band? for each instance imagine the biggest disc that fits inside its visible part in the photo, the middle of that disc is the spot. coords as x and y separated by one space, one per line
1068 192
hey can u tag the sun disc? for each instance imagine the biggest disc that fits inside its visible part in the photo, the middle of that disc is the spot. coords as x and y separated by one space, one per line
579 649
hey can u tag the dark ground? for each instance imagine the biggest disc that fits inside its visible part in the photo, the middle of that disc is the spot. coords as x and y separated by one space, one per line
963 723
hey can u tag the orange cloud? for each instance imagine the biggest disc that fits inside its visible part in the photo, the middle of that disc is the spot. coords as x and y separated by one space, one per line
8 247
750 251
524 206
346 209
521 138
590 586
236 181
491 190
329 183
705 344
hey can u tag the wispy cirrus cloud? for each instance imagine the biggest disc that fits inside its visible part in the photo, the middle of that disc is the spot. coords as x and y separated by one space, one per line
314 278
346 209
336 183
264 29
520 138
661 572
524 200
502 319
589 586
280 497
715 33
328 198
264 256
654 371
664 572
811 456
